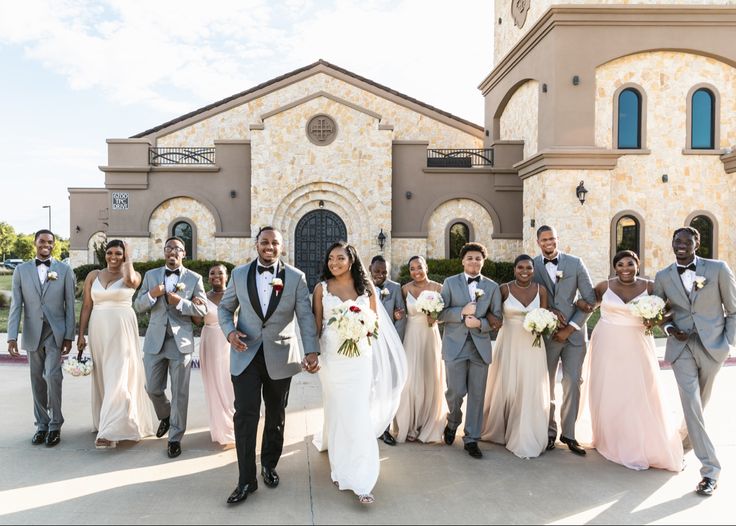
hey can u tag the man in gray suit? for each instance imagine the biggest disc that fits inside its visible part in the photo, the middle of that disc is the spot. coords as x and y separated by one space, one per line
702 299
466 343
44 289
271 297
393 301
564 276
172 294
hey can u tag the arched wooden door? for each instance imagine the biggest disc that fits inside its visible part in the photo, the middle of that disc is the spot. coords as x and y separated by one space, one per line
315 232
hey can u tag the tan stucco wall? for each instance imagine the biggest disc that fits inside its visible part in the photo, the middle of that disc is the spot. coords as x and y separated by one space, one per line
520 118
408 124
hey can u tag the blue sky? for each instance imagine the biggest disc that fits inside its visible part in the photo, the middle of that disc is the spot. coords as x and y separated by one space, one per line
77 72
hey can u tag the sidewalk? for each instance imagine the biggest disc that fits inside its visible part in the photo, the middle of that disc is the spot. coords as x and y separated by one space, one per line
419 484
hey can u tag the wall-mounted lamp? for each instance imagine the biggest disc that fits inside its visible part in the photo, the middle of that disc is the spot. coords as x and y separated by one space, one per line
408 195
575 80
533 223
544 88
665 178
580 192
78 229
381 239
321 204
488 133
233 194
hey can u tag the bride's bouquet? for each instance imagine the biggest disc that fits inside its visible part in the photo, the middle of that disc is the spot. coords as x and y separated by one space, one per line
430 303
650 309
540 322
81 367
353 323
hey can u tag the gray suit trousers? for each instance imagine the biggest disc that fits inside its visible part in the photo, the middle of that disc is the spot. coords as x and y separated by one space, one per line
572 357
46 378
466 375
695 372
170 361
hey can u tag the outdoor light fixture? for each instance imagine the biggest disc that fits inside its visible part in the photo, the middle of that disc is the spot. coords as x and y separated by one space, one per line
544 88
575 80
78 229
408 195
233 193
321 204
580 192
49 207
381 239
665 178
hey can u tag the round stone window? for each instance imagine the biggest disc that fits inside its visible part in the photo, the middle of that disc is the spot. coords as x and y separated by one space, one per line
321 130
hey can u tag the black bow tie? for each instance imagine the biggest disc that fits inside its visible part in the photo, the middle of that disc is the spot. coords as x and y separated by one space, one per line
554 261
261 269
680 269
476 279
170 272
40 262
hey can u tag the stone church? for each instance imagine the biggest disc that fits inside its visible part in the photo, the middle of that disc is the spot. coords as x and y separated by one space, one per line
614 122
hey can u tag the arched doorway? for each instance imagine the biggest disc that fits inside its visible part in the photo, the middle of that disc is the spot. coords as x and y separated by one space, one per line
314 234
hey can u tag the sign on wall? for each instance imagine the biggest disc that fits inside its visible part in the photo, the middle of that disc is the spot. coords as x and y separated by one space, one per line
120 200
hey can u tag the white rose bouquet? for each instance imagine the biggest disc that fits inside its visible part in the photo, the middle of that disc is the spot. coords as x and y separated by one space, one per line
82 367
353 323
540 322
650 309
430 303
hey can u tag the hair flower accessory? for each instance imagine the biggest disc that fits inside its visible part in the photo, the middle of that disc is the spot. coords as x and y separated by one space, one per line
53 276
278 285
699 282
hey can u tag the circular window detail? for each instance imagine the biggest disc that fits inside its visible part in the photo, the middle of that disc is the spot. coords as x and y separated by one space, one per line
321 130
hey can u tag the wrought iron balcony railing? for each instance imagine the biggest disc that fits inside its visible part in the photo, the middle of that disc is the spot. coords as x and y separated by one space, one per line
459 158
168 155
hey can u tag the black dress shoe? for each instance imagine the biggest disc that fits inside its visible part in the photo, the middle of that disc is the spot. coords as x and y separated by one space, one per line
39 438
551 441
163 427
573 445
241 492
270 477
706 487
388 439
449 435
174 449
473 450
53 438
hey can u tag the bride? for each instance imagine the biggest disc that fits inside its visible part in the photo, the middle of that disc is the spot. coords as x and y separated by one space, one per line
360 393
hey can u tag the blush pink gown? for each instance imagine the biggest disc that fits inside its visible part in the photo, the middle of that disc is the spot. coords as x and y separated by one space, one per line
631 425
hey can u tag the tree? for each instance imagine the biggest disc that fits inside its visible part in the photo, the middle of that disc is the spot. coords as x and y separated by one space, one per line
7 238
61 248
23 248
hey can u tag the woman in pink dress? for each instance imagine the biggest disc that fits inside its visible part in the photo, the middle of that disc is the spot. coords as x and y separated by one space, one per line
214 357
630 423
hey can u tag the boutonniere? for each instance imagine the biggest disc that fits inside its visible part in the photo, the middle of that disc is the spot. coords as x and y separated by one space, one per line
699 282
479 293
277 285
179 287
559 275
385 292
53 276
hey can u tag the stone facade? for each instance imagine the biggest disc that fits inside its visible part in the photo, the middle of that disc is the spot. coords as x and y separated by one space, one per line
520 120
198 215
404 248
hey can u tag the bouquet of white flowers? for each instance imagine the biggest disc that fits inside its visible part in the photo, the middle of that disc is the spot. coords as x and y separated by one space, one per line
353 323
82 367
650 309
430 303
540 322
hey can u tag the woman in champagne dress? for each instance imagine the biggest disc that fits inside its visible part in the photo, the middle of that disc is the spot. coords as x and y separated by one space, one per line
121 409
516 409
423 408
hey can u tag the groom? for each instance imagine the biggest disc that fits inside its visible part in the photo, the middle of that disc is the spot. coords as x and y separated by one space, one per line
564 276
265 353
702 297
44 290
172 294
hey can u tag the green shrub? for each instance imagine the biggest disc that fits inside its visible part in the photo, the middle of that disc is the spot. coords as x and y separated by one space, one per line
440 269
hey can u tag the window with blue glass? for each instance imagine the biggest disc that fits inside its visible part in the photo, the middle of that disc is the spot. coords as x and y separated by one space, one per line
702 120
185 231
629 119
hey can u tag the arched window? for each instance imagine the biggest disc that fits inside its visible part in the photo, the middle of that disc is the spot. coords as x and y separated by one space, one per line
184 230
629 119
704 225
702 120
459 234
628 234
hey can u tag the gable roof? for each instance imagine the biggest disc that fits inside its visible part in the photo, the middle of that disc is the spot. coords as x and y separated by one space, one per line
320 65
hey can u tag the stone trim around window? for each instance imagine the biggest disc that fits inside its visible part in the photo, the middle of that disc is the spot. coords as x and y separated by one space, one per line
716 150
713 220
170 231
642 122
450 224
640 252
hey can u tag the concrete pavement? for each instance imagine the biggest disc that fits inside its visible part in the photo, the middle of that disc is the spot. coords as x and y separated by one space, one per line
432 484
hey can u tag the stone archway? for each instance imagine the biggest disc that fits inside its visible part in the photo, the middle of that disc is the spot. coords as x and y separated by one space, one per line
314 234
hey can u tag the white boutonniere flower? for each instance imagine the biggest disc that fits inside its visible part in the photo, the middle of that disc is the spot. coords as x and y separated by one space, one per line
277 285
53 276
179 287
479 293
699 282
559 275
385 292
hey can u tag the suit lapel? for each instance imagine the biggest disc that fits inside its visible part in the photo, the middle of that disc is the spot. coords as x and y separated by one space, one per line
45 286
675 276
253 290
276 298
33 276
464 286
701 269
542 270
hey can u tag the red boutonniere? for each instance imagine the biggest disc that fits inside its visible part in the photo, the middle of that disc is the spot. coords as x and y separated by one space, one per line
277 285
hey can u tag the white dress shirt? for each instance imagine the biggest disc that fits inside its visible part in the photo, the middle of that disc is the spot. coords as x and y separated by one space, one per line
263 284
688 277
472 287
43 271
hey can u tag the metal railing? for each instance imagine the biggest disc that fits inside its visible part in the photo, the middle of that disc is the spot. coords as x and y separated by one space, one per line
168 155
459 158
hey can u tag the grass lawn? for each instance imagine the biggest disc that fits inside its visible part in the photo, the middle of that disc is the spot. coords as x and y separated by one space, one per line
6 282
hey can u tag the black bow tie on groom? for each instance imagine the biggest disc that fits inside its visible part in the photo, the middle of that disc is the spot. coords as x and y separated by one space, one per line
554 261
476 279
262 269
681 269
41 262
170 272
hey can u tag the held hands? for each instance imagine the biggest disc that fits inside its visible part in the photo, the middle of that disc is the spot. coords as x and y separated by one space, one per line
236 342
471 322
677 333
469 309
494 322
398 314
13 348
173 298
584 306
563 334
310 363
560 318
157 291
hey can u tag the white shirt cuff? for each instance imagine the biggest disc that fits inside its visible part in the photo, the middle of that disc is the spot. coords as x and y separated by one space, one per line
180 305
667 326
151 299
575 325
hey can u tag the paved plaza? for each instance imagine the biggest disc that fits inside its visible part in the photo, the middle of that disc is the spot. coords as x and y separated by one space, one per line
419 484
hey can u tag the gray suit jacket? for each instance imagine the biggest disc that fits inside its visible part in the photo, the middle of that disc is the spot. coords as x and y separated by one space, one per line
53 302
710 311
563 292
394 300
163 314
455 295
276 330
